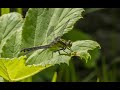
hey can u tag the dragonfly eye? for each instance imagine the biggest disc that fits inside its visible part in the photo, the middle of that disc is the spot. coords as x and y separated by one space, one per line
24 50
27 50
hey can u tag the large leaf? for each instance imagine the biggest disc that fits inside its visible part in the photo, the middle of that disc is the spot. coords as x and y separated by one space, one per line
9 25
48 57
43 25
15 69
12 46
82 47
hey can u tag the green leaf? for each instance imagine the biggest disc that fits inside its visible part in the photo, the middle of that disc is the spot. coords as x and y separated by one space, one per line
19 10
42 26
10 26
15 69
1 79
54 77
47 57
82 47
12 46
29 79
79 35
5 10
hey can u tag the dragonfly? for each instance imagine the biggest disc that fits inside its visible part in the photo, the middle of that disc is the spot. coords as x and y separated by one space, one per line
57 44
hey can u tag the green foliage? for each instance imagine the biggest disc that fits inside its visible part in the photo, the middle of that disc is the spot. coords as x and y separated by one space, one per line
15 69
41 26
5 11
77 35
90 10
19 10
54 77
82 47
41 23
80 35
10 34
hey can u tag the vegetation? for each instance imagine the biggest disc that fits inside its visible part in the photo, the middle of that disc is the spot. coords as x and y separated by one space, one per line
83 61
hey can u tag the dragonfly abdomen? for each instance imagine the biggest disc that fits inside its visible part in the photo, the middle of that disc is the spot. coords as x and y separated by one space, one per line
42 47
35 48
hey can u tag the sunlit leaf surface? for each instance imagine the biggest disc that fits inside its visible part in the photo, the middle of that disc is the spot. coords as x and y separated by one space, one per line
15 69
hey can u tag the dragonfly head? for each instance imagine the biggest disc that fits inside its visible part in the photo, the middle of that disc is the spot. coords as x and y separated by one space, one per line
24 50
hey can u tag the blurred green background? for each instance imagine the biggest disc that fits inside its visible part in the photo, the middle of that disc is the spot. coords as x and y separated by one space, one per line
99 24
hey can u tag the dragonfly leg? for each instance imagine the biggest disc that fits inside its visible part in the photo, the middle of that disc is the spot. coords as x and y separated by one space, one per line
57 51
60 50
70 49
62 54
65 51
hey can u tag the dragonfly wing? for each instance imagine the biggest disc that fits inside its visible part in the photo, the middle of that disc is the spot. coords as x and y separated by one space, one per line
54 33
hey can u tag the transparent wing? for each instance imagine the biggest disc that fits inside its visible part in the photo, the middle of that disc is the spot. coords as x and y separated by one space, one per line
60 29
55 32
